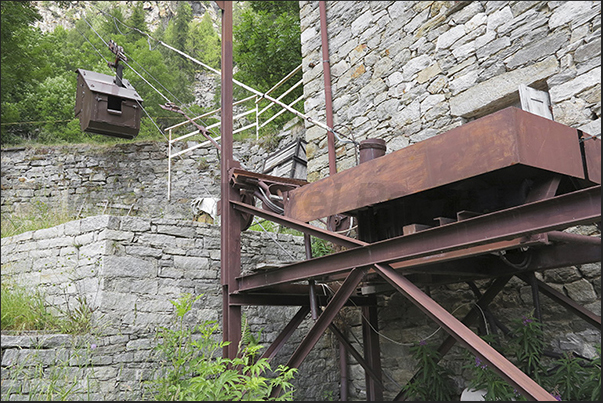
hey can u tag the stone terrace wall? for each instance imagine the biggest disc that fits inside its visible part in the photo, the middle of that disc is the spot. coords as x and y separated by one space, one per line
127 269
405 71
122 179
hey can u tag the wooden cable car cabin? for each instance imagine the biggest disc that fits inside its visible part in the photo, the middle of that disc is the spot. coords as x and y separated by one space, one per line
104 107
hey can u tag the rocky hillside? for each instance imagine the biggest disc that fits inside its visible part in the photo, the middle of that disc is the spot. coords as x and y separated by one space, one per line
157 12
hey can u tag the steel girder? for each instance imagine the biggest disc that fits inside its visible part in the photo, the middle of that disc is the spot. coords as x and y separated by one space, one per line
579 207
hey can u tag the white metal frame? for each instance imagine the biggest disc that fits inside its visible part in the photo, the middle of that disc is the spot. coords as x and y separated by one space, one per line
258 96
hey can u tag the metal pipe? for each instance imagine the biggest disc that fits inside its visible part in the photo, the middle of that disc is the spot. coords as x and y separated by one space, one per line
313 304
326 68
343 368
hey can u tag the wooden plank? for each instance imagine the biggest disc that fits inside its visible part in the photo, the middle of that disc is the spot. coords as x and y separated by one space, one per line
502 139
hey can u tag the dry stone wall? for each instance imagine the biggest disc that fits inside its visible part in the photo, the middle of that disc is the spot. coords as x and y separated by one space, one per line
126 270
82 180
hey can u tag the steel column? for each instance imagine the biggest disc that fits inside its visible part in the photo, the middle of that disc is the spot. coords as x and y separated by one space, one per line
325 319
566 302
286 333
326 68
520 381
376 377
230 235
372 352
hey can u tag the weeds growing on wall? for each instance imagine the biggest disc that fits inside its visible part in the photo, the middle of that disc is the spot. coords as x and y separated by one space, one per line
39 216
24 309
66 375
195 370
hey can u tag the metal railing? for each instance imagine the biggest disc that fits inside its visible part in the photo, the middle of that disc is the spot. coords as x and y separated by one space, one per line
258 97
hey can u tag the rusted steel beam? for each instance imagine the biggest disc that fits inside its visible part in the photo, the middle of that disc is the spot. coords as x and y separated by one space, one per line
375 376
230 230
324 320
497 286
372 353
566 302
286 333
298 225
592 156
463 335
510 137
262 299
241 176
579 207
524 241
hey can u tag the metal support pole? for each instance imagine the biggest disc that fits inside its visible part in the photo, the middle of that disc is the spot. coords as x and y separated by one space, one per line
230 248
357 356
286 333
326 68
325 319
535 298
372 352
343 368
313 302
169 187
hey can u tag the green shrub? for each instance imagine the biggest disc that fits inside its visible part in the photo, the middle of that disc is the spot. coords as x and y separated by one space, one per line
195 370
432 382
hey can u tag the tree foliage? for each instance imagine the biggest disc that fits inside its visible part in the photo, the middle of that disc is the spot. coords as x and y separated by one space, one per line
38 68
267 47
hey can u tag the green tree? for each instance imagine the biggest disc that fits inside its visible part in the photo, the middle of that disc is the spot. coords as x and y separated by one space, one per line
267 44
137 20
176 35
19 52
203 42
267 47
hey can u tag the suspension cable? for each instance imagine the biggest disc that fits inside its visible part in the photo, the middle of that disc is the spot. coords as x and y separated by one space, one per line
244 86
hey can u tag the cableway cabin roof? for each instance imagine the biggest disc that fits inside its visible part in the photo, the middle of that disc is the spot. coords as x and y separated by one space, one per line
105 84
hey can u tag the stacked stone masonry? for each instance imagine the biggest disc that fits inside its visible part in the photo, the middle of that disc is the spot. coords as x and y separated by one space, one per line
404 71
401 71
126 270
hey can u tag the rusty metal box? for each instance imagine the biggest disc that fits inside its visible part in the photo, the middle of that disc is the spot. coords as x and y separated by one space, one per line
104 107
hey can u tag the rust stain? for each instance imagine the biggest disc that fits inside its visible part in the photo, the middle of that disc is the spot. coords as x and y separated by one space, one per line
359 71
360 47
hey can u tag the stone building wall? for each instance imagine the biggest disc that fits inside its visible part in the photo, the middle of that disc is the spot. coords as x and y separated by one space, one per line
126 270
405 71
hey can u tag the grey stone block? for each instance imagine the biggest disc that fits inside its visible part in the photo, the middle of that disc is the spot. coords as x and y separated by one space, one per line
128 266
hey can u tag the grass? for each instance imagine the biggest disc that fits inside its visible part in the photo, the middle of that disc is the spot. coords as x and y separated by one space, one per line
39 216
24 309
